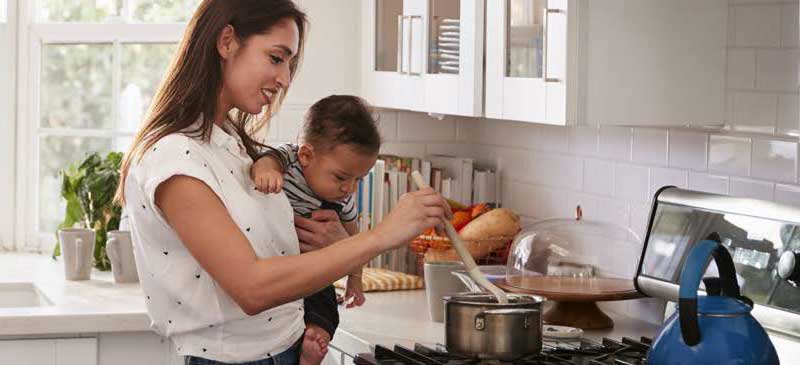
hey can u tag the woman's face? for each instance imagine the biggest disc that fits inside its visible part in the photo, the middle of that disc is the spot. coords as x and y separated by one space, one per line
256 70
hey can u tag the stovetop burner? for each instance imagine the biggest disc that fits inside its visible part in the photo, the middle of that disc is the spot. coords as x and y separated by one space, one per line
582 352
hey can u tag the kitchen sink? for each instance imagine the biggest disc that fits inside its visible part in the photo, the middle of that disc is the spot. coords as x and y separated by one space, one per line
17 295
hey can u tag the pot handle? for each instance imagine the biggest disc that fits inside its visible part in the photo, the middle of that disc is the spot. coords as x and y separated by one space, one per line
692 273
526 313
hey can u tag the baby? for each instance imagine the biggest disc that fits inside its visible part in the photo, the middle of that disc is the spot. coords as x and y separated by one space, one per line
339 144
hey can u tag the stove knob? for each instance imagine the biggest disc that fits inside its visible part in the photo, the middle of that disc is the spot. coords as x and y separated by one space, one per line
788 268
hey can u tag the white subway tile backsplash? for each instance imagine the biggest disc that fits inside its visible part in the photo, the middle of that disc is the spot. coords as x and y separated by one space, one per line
387 124
777 69
452 149
660 177
561 171
524 199
640 215
615 143
583 140
406 149
550 203
729 155
598 177
650 146
611 211
747 188
552 139
631 182
756 26
787 194
789 25
509 133
788 116
774 160
714 184
688 150
469 129
415 127
741 68
511 162
755 109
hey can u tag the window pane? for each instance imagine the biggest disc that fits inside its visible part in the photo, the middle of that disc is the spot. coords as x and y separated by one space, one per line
143 66
56 153
163 11
69 71
89 11
3 10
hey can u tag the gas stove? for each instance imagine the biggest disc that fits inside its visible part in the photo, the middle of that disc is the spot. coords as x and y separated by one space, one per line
580 352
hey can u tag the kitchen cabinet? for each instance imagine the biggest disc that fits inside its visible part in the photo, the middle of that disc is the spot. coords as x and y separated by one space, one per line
632 62
60 351
423 55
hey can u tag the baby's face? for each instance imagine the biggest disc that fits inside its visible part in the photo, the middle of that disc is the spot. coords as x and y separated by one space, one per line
333 175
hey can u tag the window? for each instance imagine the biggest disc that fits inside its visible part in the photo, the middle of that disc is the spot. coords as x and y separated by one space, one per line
88 71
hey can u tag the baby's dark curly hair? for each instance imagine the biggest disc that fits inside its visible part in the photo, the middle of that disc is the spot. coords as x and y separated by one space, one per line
342 120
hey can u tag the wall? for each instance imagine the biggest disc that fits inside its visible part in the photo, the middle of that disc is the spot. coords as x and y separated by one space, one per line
613 171
7 137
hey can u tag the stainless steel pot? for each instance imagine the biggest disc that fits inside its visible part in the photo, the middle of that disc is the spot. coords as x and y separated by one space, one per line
477 325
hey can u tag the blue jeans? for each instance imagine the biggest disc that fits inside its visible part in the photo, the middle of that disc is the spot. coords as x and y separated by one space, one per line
288 357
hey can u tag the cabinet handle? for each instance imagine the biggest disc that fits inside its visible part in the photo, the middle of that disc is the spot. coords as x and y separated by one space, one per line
411 43
547 43
400 44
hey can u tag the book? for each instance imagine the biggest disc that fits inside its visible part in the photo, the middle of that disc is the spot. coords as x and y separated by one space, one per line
459 169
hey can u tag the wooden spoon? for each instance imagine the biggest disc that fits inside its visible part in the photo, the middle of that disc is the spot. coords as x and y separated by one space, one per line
462 251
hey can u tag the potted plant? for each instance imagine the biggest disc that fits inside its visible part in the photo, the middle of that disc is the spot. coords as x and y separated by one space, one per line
89 187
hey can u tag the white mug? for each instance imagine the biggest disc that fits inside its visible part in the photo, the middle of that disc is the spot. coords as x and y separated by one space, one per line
77 247
119 248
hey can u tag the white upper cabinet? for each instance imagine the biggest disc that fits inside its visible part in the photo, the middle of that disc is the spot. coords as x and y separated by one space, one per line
634 62
423 55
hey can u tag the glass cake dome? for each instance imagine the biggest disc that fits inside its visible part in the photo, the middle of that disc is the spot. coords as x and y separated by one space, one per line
566 248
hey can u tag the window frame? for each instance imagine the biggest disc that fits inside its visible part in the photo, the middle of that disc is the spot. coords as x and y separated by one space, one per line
31 38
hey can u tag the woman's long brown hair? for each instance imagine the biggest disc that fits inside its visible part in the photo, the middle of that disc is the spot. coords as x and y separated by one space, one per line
194 78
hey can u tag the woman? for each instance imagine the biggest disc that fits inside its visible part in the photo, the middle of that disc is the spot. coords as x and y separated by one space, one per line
219 261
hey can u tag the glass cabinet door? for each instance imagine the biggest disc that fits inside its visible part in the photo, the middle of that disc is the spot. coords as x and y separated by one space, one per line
444 37
526 46
525 38
388 18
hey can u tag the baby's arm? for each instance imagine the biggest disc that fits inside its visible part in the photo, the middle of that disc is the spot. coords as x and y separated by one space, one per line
354 289
267 174
352 230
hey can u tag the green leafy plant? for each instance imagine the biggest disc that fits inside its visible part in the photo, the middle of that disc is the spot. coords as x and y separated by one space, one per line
88 187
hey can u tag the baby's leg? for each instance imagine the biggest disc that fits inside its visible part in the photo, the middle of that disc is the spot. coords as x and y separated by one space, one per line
315 345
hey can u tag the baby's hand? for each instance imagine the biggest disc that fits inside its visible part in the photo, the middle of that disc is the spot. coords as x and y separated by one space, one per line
268 181
354 290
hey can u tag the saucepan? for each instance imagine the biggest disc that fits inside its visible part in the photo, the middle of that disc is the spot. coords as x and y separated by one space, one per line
477 325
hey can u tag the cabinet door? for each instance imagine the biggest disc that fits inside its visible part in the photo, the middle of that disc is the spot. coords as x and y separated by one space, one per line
454 75
392 53
526 69
76 351
29 352
67 351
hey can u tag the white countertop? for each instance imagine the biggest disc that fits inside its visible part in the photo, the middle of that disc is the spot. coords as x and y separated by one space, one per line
100 305
96 305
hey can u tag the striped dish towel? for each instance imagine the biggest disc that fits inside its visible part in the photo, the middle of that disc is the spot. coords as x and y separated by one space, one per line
384 280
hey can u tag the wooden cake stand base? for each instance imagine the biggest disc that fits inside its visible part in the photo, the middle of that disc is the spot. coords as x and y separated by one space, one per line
574 299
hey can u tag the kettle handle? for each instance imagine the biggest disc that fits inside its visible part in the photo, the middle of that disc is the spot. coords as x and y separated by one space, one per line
692 273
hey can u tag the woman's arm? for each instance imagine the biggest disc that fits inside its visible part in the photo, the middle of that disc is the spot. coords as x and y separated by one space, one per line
206 229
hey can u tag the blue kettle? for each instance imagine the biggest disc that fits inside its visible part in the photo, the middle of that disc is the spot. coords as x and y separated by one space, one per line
712 329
